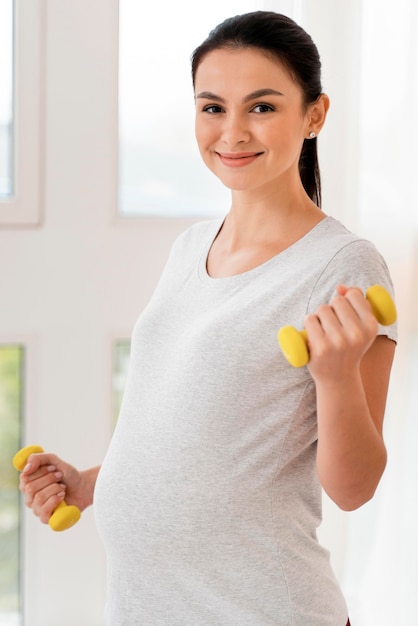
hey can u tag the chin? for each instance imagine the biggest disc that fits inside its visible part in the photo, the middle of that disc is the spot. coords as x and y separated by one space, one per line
235 183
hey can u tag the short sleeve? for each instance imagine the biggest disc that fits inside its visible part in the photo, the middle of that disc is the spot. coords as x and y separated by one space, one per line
357 264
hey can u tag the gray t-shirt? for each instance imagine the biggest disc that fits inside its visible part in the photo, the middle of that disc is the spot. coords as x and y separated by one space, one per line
208 500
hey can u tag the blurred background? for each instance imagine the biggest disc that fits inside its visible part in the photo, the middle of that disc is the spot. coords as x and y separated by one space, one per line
98 174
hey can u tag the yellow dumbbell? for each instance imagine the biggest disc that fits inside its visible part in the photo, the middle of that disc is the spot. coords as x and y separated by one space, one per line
294 343
63 516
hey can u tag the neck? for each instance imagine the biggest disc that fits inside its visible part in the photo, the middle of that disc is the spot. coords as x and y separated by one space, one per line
269 218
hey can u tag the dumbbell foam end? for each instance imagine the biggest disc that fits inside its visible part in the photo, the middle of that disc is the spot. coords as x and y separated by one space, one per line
64 516
21 458
382 305
293 344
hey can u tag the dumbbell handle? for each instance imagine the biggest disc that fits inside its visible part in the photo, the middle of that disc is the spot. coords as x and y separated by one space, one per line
294 343
63 516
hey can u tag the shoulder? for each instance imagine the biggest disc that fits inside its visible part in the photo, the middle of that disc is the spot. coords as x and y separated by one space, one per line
197 234
338 249
331 254
351 260
348 251
336 234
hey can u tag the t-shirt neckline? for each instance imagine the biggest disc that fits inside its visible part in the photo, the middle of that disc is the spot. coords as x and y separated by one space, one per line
259 269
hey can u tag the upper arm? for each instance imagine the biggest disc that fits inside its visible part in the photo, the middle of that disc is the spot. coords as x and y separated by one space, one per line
375 370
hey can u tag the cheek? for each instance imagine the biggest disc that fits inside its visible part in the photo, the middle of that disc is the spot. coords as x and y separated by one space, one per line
205 141
200 138
202 135
286 138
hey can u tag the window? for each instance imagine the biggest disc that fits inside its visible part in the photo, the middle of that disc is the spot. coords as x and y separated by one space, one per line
160 171
11 373
21 37
6 97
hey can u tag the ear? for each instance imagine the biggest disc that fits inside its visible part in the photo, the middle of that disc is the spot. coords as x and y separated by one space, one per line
317 113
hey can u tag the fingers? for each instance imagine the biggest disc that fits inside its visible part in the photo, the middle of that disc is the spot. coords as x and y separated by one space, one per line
35 461
342 331
42 486
349 311
353 308
343 289
42 478
44 502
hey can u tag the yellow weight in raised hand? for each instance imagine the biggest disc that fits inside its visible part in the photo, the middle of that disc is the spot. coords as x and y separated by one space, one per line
294 343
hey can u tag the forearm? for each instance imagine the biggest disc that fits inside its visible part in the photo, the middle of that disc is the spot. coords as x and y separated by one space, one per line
351 452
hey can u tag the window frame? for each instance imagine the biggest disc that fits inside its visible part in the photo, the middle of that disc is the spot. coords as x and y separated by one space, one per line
24 206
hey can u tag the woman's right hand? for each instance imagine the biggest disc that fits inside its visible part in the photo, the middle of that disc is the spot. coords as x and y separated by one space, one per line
47 480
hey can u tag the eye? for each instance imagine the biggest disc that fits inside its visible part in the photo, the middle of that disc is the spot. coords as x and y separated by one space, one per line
212 108
263 108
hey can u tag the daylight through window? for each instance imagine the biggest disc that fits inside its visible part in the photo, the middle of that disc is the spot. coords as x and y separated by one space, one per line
6 98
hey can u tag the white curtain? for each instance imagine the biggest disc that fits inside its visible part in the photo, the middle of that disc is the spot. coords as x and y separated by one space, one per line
370 163
384 590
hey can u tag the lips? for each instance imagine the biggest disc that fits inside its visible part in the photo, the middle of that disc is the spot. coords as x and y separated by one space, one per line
238 159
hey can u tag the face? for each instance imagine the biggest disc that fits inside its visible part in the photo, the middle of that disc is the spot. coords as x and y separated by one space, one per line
250 119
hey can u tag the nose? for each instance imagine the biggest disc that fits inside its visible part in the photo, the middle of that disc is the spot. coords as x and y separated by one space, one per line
235 129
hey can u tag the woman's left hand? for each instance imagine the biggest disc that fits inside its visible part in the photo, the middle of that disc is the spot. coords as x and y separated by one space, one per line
339 334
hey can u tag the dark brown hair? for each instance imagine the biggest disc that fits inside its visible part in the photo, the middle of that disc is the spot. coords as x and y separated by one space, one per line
281 38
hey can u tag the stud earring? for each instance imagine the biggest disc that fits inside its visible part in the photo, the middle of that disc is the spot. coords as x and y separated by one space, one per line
312 135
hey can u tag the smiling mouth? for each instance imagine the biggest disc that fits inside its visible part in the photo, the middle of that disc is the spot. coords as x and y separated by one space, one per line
238 159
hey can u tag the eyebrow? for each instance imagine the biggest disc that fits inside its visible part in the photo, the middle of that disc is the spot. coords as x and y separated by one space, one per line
259 93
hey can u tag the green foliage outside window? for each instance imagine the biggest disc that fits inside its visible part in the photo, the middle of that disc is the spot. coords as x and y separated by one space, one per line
11 370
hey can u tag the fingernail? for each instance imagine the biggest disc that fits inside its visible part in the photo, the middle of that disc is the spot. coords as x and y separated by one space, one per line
51 468
27 467
61 494
58 475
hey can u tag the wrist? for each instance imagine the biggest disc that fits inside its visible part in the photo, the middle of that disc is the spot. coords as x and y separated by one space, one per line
339 382
88 478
